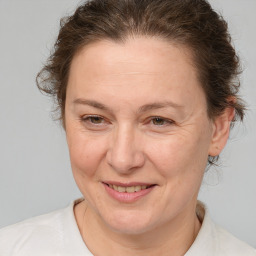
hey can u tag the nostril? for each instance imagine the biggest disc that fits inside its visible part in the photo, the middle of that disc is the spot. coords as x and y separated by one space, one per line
125 163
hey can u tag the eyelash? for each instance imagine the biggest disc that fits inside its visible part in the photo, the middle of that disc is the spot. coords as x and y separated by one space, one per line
89 120
165 120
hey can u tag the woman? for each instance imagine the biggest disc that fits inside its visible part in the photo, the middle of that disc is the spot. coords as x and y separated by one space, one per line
147 93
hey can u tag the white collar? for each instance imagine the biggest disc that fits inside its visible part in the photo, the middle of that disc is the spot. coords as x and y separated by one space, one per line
205 242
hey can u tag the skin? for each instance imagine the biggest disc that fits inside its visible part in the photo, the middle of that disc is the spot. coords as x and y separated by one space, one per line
125 142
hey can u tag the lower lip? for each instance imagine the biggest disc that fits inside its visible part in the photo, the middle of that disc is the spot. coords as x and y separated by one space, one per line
125 197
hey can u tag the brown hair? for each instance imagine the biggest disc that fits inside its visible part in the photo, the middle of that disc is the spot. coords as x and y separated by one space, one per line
192 23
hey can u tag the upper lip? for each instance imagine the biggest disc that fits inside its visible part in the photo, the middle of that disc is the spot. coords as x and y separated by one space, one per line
128 184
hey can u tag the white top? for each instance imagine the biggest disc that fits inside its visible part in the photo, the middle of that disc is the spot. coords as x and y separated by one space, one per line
57 233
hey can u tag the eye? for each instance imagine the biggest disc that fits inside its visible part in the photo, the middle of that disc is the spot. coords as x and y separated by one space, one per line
159 121
93 120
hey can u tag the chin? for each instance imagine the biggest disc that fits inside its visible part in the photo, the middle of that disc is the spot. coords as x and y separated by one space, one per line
132 223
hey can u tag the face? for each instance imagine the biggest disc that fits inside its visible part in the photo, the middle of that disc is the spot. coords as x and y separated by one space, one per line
138 132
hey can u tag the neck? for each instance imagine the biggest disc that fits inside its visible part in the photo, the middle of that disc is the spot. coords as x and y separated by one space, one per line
173 238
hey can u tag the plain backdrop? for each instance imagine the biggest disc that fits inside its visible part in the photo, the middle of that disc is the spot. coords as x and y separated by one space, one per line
35 174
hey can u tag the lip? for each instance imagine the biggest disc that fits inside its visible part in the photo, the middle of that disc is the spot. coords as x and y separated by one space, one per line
127 184
125 197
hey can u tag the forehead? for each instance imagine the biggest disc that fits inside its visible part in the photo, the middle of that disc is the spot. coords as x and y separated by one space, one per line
140 65
156 55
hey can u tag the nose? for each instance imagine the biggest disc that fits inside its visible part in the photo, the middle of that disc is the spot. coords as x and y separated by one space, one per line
125 151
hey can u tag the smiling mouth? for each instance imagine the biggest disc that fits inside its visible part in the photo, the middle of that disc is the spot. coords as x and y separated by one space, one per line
129 189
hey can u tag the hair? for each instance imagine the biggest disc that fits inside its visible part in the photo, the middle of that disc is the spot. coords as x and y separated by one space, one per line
190 23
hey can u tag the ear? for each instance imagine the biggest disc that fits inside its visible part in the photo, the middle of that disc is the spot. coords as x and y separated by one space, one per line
221 129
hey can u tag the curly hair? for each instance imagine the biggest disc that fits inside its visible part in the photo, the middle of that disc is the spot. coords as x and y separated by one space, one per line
192 23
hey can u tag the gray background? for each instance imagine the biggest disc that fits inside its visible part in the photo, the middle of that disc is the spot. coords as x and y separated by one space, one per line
35 175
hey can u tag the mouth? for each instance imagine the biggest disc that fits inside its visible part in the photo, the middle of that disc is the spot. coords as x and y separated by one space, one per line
128 188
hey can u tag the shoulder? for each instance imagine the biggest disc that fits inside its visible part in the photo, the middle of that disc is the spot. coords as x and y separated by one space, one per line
230 245
213 240
37 233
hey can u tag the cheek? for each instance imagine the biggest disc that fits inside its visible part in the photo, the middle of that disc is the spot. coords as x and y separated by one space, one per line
85 154
180 155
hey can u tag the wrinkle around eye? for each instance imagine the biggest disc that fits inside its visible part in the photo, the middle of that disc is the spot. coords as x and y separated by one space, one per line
166 125
94 122
163 121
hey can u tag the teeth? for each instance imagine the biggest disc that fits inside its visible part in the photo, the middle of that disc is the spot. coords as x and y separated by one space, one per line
121 189
137 188
131 189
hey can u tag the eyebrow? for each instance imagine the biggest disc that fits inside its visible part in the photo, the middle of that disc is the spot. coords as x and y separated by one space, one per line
142 109
91 103
158 105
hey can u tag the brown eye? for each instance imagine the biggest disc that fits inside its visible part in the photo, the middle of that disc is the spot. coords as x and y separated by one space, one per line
95 123
158 121
95 119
